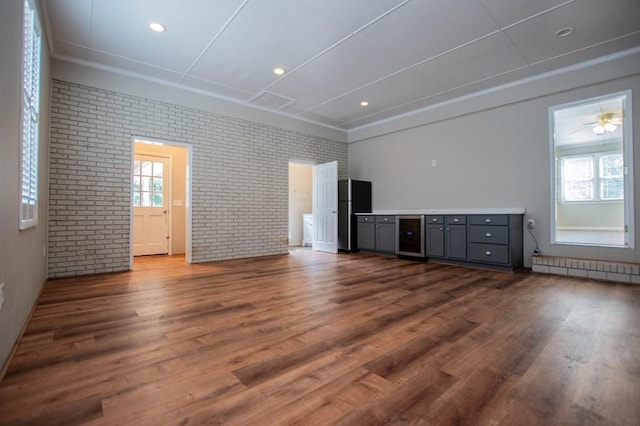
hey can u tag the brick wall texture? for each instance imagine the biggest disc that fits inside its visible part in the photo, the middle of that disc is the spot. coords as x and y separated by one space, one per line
239 172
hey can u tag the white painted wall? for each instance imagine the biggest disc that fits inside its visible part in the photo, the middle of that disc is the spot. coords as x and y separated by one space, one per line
497 155
23 267
300 199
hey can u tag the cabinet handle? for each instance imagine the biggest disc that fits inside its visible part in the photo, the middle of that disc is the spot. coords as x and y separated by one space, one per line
488 253
386 219
441 229
434 220
456 220
448 229
488 235
487 220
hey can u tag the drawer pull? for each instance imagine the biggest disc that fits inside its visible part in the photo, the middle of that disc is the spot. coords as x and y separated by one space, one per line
488 253
487 220
386 219
434 220
441 228
456 220
488 235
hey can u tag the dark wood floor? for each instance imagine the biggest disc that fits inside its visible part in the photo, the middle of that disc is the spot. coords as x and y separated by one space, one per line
317 338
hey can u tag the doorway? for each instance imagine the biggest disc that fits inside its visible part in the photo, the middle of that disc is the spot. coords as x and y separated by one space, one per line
160 199
300 205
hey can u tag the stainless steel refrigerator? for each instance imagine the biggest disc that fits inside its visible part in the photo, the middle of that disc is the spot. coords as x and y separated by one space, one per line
354 196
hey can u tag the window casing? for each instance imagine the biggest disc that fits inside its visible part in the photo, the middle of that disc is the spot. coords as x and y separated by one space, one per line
30 117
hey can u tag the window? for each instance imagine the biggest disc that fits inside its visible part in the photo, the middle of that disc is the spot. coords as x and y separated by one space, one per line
593 177
30 119
148 183
592 171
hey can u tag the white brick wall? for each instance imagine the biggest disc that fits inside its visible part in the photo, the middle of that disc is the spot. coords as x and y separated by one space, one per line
240 178
594 269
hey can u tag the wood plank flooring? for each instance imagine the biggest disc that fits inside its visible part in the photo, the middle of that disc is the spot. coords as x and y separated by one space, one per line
315 338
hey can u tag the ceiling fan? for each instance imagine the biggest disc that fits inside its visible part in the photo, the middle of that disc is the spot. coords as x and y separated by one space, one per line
606 123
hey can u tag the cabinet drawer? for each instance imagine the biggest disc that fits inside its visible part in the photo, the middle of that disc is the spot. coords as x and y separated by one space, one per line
365 219
489 253
489 234
491 219
433 219
455 220
385 219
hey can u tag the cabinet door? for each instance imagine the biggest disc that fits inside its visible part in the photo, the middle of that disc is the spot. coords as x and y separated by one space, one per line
386 237
456 241
366 236
435 240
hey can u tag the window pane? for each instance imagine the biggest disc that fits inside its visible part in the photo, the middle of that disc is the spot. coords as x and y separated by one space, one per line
136 199
146 183
157 185
147 168
578 168
578 190
146 199
611 166
136 183
157 199
136 167
157 169
612 189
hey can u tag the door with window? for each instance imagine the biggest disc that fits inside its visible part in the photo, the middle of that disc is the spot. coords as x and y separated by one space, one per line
150 205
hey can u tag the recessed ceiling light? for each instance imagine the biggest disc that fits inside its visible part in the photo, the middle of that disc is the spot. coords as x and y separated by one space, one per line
564 32
157 27
364 103
278 71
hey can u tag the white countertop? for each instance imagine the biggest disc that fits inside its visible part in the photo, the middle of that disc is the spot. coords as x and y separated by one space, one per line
500 210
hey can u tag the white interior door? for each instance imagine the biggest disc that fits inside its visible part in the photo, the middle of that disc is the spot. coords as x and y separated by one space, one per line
325 207
150 205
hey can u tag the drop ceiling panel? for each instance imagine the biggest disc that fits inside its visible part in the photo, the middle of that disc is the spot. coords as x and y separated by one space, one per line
122 29
474 62
587 54
509 12
284 31
133 66
70 20
219 90
401 109
413 33
230 66
350 15
594 21
308 91
493 82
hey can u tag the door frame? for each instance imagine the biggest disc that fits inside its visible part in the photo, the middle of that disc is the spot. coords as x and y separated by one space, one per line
188 201
169 193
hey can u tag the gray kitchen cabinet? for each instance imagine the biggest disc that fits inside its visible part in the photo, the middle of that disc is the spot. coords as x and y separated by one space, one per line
385 234
446 237
434 240
491 240
496 239
366 233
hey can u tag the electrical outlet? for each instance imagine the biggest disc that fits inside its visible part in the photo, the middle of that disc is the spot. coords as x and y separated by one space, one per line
531 224
1 296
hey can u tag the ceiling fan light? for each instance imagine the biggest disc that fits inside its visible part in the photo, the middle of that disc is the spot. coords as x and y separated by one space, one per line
599 130
609 127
